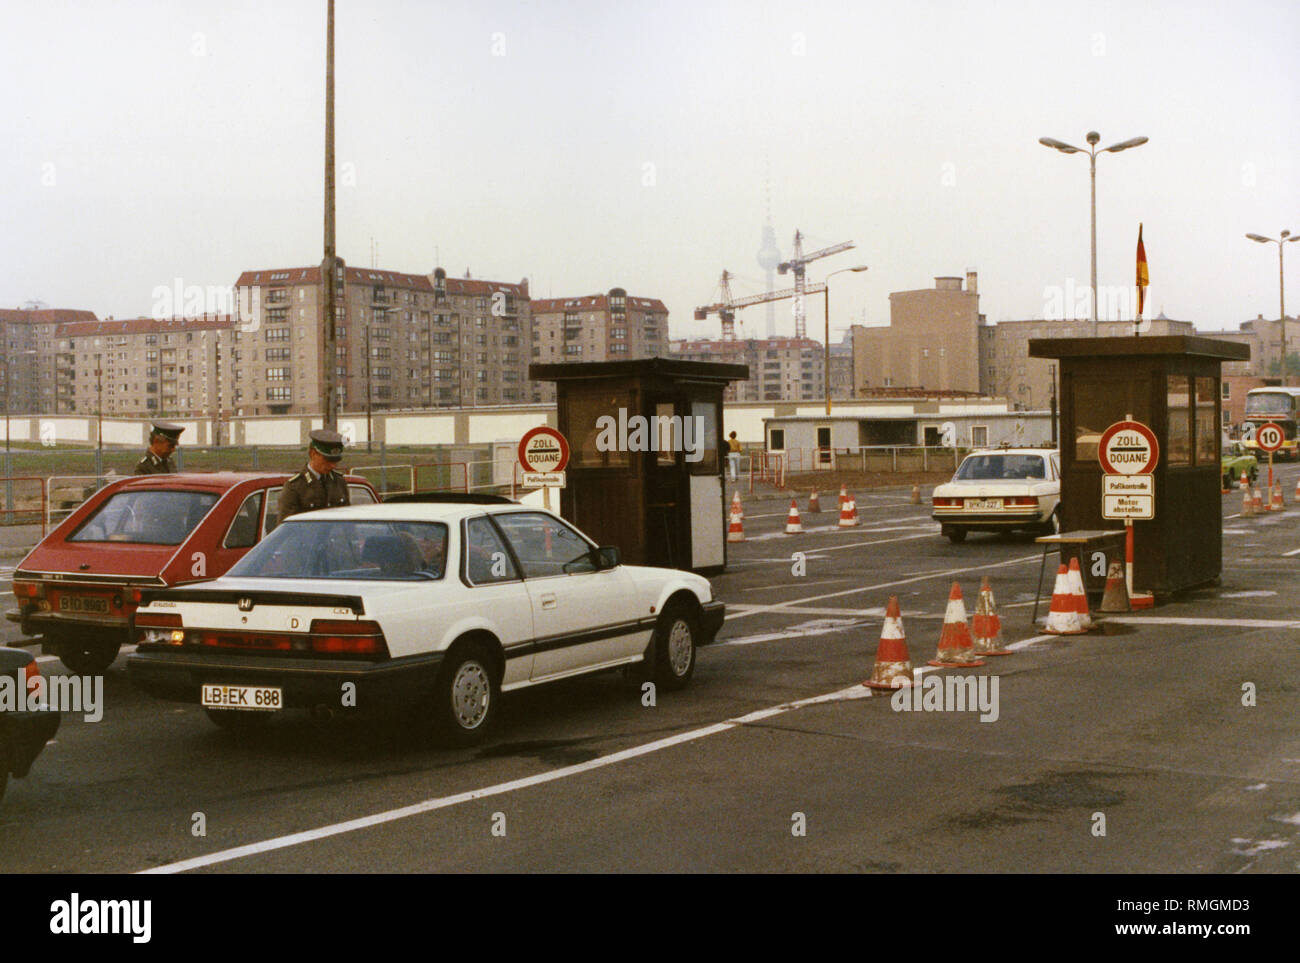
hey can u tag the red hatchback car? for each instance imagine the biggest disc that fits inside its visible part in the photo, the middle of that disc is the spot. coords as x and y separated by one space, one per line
78 588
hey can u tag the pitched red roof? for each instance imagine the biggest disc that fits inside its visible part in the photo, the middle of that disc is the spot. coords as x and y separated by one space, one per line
351 275
473 287
45 315
87 329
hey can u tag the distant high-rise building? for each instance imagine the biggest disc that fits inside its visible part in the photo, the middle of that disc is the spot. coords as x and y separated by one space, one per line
780 369
32 370
598 327
769 258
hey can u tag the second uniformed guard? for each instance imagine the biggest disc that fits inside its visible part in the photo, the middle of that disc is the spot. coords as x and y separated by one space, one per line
318 485
163 439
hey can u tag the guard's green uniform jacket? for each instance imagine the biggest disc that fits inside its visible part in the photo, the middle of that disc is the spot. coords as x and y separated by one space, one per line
306 492
151 464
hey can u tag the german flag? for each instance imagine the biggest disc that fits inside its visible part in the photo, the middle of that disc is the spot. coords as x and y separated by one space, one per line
1143 278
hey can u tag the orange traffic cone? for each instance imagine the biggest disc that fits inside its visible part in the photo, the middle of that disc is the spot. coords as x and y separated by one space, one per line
844 495
736 508
735 530
955 645
814 503
986 627
1276 504
893 666
1062 618
792 524
916 494
1297 489
1256 501
1245 479
1115 598
1078 594
1247 503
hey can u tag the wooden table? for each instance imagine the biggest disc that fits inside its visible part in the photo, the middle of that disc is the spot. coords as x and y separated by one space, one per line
1083 538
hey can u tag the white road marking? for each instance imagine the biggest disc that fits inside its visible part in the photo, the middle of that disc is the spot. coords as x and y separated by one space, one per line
820 581
1294 551
1252 594
1225 623
939 573
853 692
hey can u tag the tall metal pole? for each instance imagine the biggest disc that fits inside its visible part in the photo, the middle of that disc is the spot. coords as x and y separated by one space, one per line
1092 163
329 266
1281 303
826 374
369 390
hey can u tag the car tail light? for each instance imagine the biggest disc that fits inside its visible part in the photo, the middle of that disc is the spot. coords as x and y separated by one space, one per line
948 503
29 590
159 627
32 676
342 637
262 641
1022 501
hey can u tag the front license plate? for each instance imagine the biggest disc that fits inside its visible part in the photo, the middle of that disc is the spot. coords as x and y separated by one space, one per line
82 603
983 504
253 698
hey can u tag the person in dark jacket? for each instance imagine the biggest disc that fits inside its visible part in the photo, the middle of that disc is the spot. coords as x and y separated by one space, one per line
163 440
319 485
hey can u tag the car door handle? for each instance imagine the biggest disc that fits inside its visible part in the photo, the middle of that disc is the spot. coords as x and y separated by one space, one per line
548 600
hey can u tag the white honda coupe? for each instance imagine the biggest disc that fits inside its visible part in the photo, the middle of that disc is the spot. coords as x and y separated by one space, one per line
437 605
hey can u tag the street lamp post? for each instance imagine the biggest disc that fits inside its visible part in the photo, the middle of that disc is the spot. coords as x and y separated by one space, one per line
826 373
1281 287
1092 152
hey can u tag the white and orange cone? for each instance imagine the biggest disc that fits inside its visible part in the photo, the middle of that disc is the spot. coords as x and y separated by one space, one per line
1256 501
735 530
792 524
848 513
955 645
1245 479
986 626
1297 490
916 494
844 495
1115 598
1062 619
1276 503
814 503
736 507
893 666
1078 594
1247 503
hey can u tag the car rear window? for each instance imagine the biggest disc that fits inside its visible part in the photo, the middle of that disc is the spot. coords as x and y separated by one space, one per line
146 517
349 549
998 466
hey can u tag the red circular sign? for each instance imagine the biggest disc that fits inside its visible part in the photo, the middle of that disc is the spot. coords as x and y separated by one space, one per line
1270 436
1128 448
543 449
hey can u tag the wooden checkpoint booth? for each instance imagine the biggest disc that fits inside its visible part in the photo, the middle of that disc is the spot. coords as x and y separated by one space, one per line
645 469
1172 385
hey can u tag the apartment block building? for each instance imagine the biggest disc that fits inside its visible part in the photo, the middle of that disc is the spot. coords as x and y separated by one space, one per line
404 341
146 366
29 357
597 327
780 369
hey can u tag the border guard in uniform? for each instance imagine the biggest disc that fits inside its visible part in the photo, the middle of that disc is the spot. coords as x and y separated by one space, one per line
163 440
318 485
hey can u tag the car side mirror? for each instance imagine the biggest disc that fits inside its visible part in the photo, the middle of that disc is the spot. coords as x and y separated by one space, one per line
608 556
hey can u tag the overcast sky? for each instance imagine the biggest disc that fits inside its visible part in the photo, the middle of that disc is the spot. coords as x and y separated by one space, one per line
589 145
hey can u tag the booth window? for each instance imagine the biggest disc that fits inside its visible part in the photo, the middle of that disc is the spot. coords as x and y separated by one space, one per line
668 434
1179 407
703 438
1207 431
598 445
1098 404
776 439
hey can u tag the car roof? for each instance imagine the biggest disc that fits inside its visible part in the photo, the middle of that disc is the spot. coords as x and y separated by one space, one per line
1014 451
221 480
410 511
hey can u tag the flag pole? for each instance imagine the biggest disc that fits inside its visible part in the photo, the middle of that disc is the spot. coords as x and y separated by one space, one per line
1143 279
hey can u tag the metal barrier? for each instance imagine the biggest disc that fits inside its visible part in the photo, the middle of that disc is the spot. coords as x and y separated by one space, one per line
440 476
76 491
382 484
10 512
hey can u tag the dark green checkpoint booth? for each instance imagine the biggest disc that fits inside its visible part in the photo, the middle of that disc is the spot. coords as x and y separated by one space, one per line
657 492
1172 385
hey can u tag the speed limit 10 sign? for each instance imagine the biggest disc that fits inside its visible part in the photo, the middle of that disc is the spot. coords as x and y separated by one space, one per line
1269 437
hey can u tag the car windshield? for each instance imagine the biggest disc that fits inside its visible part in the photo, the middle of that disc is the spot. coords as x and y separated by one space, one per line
146 517
349 549
997 465
1269 403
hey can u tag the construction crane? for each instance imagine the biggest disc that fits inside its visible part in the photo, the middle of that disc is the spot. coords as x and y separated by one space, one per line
797 264
726 308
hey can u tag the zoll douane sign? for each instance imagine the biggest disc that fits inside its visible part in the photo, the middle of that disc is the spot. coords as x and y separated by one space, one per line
1128 452
1128 448
544 454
